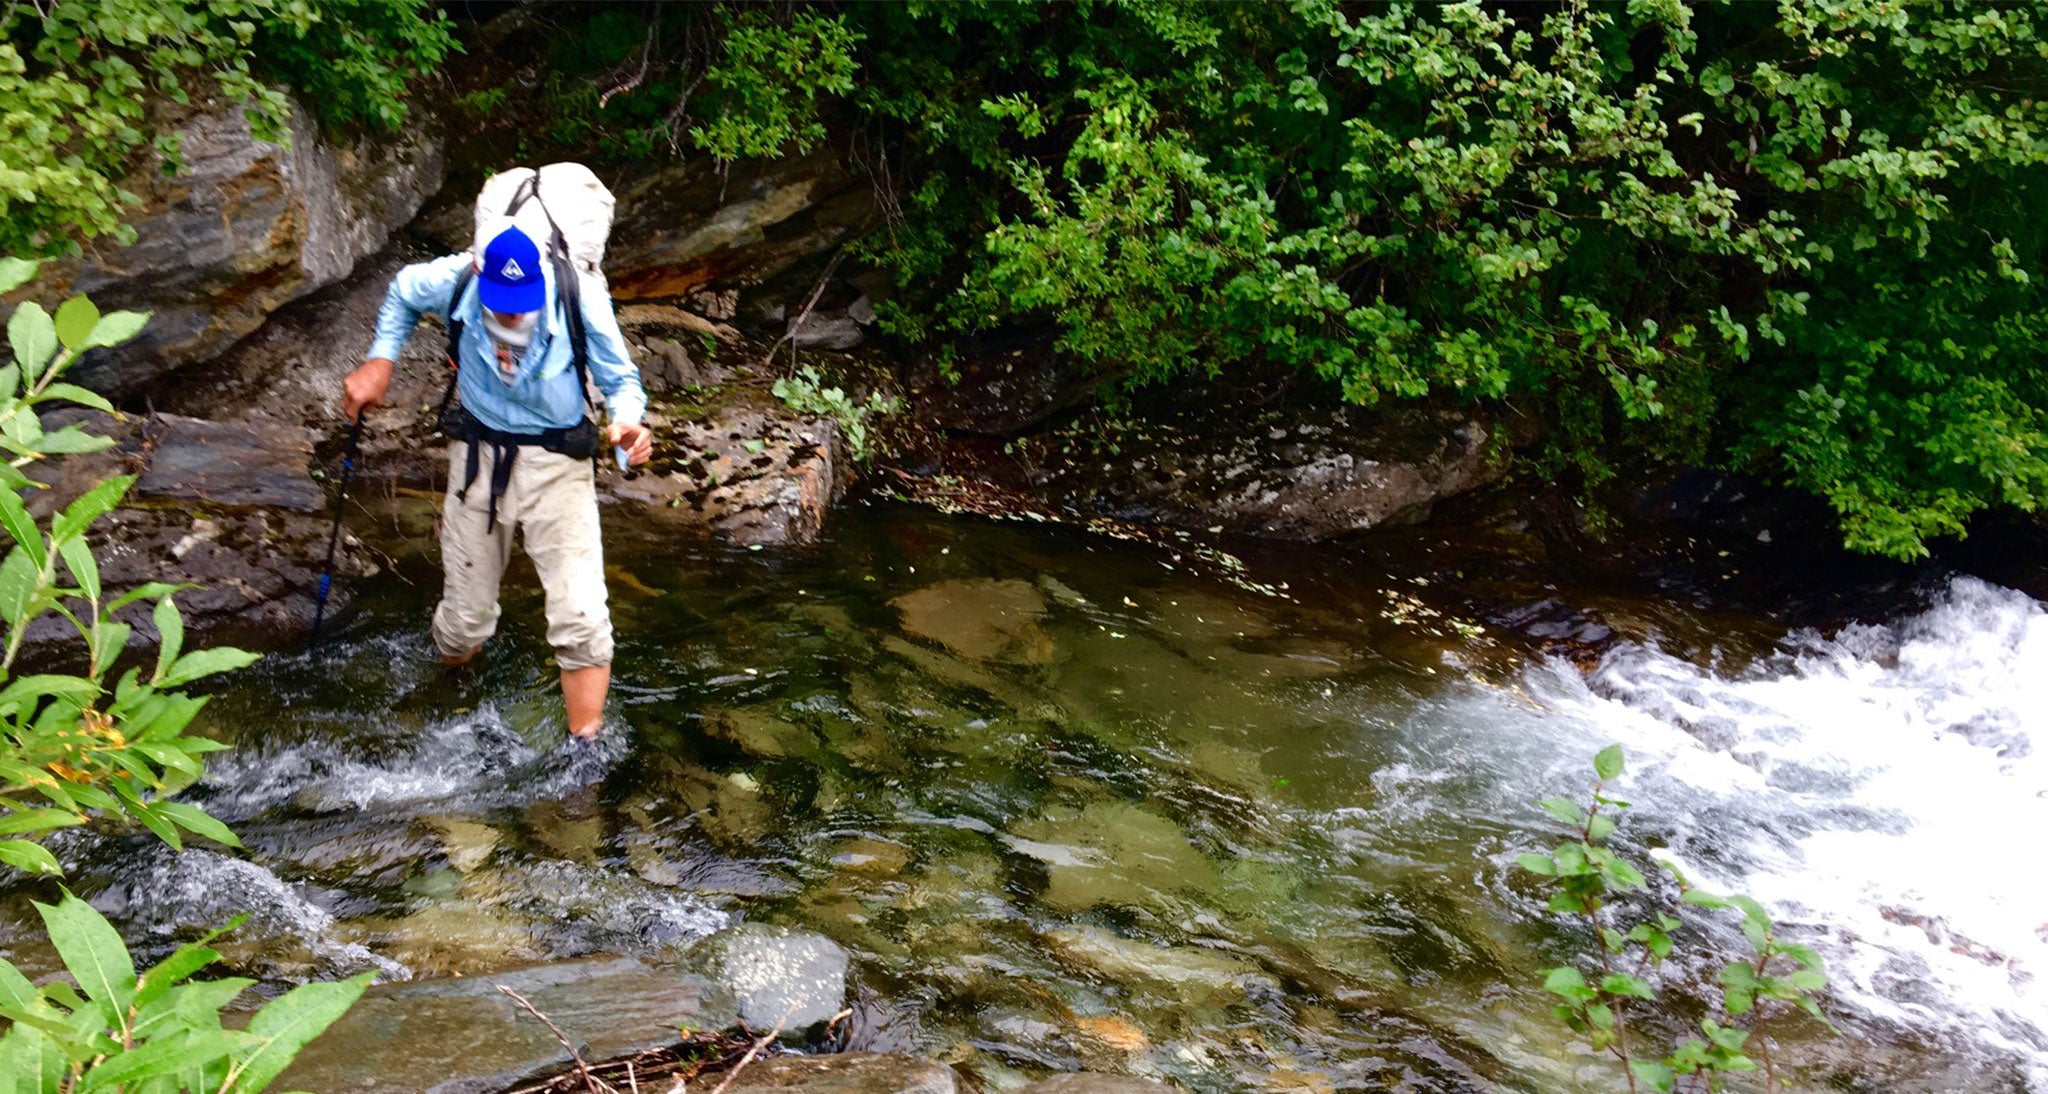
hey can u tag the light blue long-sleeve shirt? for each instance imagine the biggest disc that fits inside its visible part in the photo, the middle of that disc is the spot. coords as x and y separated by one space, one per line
543 392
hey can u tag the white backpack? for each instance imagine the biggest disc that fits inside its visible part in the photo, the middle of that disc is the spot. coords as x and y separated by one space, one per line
570 199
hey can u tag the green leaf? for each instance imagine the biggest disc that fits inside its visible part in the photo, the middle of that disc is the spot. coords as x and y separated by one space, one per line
1563 809
1608 763
92 950
293 1019
1655 1075
1567 982
23 528
37 820
76 318
115 328
1537 863
1624 984
1703 899
33 336
183 962
85 569
14 273
196 821
69 441
1566 903
1599 827
147 591
81 396
90 506
203 663
47 685
165 1055
170 627
1600 1015
29 856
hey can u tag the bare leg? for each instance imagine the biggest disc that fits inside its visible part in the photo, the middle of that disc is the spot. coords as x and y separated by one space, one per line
453 661
583 692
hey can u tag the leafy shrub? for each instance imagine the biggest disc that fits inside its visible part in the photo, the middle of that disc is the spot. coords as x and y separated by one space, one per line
1591 881
81 78
806 393
158 1032
1796 239
73 745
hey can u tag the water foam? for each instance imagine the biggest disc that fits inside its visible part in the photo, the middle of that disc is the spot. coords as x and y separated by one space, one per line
1881 790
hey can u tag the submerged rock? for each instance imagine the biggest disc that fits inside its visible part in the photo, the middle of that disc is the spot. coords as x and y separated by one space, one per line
779 976
1187 973
465 1037
984 619
1112 854
848 1073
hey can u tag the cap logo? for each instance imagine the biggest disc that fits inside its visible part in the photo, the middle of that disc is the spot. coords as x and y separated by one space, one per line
512 272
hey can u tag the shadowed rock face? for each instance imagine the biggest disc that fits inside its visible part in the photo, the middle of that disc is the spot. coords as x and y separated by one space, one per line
1308 474
247 227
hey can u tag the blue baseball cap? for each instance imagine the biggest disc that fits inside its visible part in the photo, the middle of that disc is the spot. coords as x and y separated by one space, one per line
510 280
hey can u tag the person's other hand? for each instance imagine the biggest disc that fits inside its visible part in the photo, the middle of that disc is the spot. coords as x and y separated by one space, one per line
365 387
637 440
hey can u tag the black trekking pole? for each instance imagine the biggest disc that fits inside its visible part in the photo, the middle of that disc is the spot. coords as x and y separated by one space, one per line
348 466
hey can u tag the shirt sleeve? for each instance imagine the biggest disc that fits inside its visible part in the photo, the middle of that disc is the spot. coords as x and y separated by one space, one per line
611 366
419 289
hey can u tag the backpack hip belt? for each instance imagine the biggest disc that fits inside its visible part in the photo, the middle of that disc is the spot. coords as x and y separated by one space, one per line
578 442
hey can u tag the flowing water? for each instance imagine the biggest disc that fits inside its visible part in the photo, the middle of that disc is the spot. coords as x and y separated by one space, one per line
1071 803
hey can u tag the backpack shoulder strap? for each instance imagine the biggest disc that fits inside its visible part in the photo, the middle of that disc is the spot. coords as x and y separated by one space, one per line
455 326
565 281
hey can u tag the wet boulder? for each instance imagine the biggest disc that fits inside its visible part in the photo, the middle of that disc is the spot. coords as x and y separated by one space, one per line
779 977
231 508
748 473
464 1036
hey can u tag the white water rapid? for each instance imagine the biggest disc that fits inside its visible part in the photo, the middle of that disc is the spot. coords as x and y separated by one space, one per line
1884 791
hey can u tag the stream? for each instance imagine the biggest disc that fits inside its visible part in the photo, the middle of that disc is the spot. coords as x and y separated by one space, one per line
1072 802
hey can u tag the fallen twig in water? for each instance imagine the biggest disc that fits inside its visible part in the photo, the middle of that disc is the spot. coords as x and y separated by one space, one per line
764 1042
590 1082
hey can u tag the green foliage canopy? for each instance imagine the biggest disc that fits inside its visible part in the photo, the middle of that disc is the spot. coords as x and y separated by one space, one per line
1793 238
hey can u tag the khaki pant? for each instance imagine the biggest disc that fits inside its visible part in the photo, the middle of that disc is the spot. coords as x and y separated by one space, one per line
551 502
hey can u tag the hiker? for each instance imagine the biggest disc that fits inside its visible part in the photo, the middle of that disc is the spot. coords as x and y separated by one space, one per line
521 442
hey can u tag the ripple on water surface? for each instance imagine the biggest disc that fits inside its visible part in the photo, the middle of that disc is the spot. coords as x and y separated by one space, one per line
1072 807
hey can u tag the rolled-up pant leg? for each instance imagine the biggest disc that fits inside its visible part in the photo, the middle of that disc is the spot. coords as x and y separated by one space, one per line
557 505
473 558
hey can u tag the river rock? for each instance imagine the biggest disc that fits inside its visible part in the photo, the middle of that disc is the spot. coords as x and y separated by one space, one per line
748 474
1092 1082
230 508
246 227
847 1073
1186 973
827 332
779 976
1112 854
254 462
1300 474
463 1036
983 618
